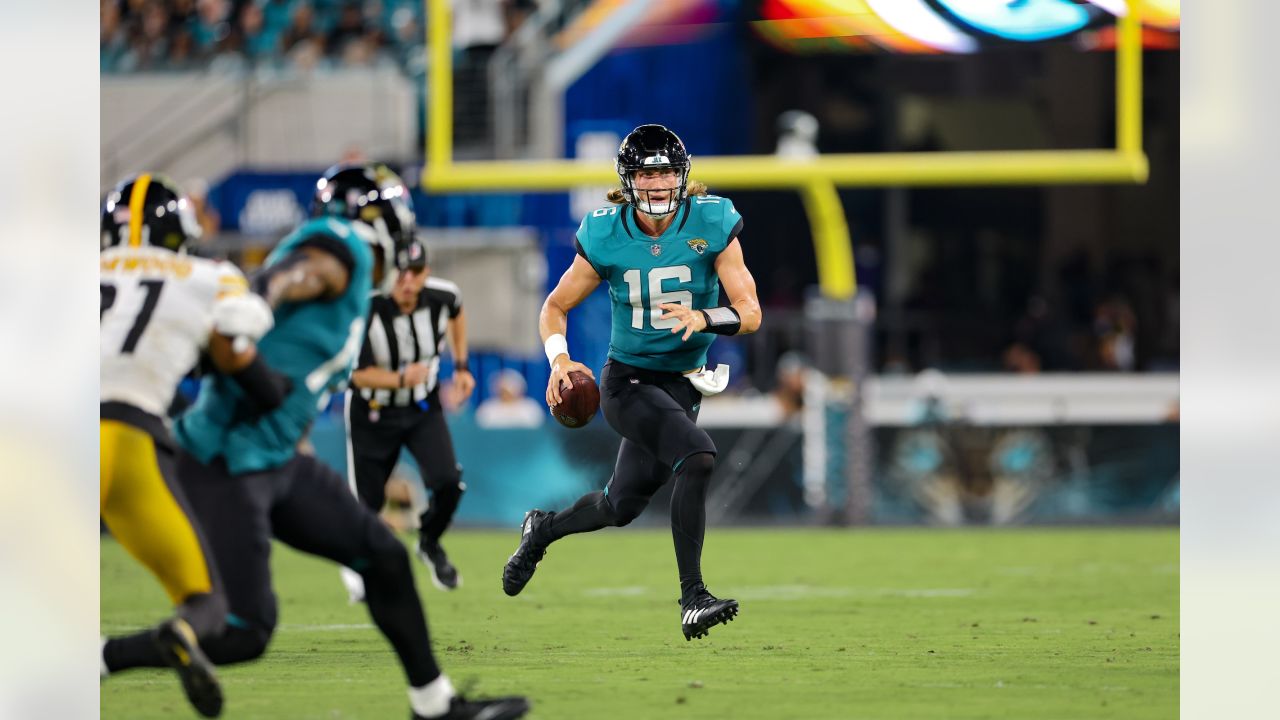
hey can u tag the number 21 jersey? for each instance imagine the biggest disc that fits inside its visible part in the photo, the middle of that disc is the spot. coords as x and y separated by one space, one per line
157 313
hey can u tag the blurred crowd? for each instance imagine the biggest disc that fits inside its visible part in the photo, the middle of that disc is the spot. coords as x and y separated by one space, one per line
159 35
1122 329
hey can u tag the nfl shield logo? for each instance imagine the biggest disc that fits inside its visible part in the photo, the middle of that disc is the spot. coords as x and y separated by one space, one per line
656 249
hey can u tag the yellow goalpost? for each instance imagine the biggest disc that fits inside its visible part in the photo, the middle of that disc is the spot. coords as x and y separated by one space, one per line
817 178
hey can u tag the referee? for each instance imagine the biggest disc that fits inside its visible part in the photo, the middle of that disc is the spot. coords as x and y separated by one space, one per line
395 402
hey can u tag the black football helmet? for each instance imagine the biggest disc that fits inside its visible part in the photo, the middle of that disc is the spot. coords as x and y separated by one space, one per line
149 210
651 147
377 199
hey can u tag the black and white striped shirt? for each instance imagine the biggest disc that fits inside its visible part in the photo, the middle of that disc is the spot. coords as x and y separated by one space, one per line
394 340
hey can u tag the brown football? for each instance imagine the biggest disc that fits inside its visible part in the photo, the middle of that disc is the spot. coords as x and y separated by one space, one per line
579 403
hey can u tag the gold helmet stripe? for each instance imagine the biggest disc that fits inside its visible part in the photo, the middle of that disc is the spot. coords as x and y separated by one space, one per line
136 200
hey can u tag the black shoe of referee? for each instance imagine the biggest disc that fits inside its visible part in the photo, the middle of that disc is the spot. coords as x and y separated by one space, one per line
704 611
522 563
177 644
443 574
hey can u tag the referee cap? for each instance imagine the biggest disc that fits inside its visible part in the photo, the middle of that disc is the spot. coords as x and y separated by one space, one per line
412 256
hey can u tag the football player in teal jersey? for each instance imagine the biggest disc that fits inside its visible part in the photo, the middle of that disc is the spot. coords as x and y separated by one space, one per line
245 478
664 247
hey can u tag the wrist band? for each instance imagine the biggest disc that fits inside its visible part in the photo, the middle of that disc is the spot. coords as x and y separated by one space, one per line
401 377
556 345
722 321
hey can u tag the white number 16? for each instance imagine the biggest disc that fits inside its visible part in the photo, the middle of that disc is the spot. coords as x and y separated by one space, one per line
657 296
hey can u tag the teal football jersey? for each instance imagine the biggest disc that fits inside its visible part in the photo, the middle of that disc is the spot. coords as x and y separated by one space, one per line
314 343
644 272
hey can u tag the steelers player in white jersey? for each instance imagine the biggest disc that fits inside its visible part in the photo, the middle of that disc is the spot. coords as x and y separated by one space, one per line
161 309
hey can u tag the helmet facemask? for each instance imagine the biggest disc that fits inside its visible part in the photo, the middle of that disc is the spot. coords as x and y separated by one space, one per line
640 200
375 233
652 147
187 220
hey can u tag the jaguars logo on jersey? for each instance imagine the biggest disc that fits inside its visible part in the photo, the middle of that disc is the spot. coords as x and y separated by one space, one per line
698 245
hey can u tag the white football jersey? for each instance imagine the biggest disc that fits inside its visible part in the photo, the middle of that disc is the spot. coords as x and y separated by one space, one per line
157 313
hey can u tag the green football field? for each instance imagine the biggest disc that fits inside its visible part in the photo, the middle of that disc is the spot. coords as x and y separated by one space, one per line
885 623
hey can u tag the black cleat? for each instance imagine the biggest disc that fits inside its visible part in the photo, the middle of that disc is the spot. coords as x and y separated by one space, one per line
704 612
443 574
528 554
505 708
177 644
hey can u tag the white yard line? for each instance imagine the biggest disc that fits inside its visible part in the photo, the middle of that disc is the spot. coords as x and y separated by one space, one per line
285 627
793 592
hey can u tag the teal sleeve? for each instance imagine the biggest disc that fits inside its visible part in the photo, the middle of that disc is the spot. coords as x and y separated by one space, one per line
582 244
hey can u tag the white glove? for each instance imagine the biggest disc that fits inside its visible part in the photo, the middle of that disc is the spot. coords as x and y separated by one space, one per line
243 316
710 382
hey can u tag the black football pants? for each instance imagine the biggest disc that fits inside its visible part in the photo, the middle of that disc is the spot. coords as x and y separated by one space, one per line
375 449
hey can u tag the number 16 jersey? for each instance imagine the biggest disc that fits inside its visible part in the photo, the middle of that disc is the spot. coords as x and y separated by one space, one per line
644 272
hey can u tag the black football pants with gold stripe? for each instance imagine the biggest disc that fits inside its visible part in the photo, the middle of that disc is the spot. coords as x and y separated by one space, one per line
145 510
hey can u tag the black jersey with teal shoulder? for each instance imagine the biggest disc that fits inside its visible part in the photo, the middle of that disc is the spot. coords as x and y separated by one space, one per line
643 272
315 343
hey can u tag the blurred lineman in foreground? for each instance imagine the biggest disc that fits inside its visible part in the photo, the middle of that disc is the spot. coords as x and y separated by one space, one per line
241 468
161 310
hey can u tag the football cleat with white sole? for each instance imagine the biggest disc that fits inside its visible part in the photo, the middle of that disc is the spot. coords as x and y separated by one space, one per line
505 708
704 612
522 563
443 574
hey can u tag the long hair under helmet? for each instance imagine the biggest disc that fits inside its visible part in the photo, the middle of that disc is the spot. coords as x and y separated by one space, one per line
652 147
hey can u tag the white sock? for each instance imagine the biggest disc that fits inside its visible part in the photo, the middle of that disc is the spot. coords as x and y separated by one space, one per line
103 672
432 699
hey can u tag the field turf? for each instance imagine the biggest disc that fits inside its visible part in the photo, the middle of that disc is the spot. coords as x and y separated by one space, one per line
884 623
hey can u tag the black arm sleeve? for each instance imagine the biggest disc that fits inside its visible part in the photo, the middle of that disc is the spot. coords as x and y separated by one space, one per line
264 387
324 243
